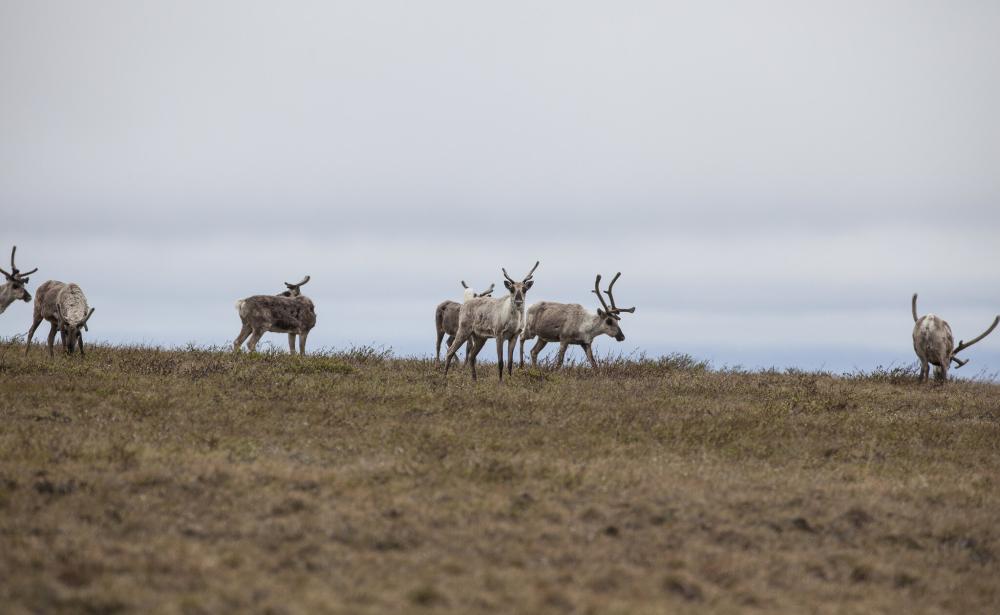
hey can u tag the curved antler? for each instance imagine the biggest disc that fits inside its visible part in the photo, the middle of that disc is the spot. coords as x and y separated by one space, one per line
304 280
614 307
963 345
507 275
487 292
463 284
597 291
89 314
913 307
14 273
530 273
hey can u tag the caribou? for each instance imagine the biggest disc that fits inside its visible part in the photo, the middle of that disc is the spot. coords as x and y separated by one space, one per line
481 318
288 312
14 288
935 345
571 323
65 306
446 319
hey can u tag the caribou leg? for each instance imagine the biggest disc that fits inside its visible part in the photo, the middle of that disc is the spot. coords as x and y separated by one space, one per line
291 343
244 333
510 355
925 370
437 347
562 354
535 350
254 338
460 338
52 339
590 355
500 356
477 345
302 342
31 333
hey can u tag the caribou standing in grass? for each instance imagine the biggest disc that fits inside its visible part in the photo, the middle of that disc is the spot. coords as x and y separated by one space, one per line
446 320
288 312
14 288
65 306
484 317
935 345
571 323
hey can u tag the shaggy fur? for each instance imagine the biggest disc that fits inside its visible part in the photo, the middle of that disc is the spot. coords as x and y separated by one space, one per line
566 323
65 307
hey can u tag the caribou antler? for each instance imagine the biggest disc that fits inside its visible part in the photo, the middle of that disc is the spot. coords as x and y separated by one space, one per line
959 362
530 273
463 284
526 278
304 280
597 291
84 323
14 273
487 292
963 345
615 308
913 307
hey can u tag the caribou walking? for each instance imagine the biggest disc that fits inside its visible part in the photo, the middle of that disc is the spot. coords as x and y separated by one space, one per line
571 323
446 320
288 312
501 318
935 344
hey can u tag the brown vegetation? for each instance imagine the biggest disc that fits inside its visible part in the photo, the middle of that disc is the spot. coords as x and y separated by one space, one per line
203 482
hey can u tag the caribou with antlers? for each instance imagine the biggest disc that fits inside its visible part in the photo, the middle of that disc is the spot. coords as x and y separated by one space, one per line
288 312
65 306
14 288
484 317
934 343
571 323
446 320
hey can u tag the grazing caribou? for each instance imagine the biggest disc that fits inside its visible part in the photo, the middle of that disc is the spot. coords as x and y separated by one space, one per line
446 320
484 317
934 343
65 306
14 288
571 323
288 312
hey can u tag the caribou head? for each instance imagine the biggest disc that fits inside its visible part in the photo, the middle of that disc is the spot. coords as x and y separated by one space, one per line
519 289
72 332
14 289
611 316
294 290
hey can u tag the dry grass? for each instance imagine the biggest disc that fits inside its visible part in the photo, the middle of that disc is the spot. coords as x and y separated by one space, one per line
204 482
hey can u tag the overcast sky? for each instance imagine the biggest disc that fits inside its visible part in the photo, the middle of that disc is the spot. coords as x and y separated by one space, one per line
774 179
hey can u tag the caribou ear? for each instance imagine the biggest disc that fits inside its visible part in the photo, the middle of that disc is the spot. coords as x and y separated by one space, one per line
529 284
508 285
601 313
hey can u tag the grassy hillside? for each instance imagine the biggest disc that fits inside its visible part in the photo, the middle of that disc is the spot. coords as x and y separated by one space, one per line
202 482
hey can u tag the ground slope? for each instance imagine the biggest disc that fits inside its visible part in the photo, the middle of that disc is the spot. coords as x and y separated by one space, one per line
205 482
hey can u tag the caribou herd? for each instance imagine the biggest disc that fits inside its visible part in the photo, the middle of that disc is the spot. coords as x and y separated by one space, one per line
471 323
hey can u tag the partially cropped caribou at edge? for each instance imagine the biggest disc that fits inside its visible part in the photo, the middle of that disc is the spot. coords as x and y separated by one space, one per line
934 343
14 288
